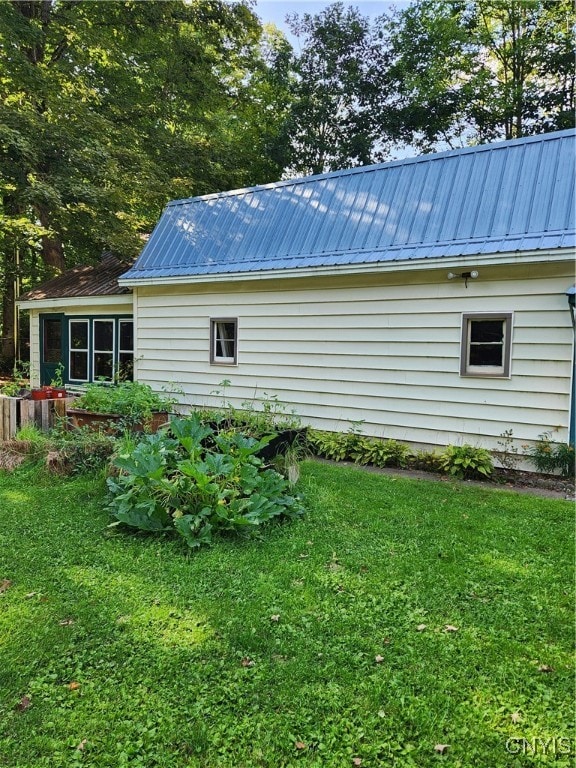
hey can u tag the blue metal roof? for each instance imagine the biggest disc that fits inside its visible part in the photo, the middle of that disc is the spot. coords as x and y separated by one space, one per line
509 196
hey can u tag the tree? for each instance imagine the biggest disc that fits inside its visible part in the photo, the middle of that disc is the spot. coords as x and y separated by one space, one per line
478 70
107 110
328 123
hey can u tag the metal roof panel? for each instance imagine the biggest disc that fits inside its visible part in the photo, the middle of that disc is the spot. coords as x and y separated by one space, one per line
487 199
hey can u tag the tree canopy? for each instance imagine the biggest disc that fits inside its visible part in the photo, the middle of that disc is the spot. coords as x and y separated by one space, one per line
107 110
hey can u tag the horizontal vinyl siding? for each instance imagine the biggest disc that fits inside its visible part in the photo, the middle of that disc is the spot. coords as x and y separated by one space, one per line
34 349
384 355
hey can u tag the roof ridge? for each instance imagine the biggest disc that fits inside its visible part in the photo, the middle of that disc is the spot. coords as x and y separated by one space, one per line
423 158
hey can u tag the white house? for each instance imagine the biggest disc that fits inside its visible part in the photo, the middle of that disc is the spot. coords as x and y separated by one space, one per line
424 298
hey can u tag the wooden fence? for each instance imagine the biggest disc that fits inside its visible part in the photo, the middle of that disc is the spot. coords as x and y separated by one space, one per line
16 413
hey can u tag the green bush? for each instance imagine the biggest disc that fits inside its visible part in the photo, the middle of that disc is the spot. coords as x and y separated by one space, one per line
198 482
466 461
427 461
550 457
382 453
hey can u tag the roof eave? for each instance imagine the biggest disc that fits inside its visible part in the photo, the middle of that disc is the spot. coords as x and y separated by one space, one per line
441 262
64 302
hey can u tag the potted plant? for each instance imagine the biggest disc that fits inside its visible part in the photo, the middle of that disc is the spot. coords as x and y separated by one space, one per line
57 389
128 404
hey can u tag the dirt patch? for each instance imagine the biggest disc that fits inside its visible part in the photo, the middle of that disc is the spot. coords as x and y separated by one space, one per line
14 452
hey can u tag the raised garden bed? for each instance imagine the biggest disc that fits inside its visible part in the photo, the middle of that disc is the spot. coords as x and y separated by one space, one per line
114 422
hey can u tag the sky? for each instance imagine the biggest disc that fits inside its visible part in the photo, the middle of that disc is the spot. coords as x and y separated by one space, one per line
275 10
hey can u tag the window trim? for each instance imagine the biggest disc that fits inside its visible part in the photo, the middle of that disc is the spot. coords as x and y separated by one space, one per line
90 320
83 350
112 351
214 360
486 372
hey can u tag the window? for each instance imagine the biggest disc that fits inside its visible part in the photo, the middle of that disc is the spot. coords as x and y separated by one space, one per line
224 341
126 349
100 349
486 344
103 352
79 351
52 341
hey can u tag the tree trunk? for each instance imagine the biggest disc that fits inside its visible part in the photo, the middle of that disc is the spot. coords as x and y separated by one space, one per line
52 250
8 345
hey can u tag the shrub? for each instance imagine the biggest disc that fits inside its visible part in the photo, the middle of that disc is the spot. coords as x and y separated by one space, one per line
382 453
427 461
197 482
466 461
337 446
550 457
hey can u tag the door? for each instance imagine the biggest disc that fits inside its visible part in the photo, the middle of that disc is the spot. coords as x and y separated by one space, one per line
51 346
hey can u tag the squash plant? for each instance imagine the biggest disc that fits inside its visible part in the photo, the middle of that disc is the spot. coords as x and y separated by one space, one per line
198 482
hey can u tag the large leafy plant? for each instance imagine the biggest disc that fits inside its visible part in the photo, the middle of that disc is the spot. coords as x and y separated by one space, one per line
198 482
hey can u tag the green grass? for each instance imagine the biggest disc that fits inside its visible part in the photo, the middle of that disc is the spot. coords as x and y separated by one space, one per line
143 654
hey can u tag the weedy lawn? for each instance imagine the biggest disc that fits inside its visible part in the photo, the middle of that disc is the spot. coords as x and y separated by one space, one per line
396 618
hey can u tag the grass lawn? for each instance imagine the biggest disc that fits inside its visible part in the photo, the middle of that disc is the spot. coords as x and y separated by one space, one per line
395 617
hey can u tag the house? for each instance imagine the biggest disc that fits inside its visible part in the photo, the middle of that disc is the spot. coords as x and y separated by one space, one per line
422 299
83 320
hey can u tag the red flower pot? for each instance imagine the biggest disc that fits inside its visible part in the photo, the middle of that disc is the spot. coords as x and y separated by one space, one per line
57 393
39 394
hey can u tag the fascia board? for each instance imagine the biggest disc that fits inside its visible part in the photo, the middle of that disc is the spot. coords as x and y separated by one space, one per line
498 259
63 303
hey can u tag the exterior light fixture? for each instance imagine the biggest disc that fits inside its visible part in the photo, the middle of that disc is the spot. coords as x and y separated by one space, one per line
472 275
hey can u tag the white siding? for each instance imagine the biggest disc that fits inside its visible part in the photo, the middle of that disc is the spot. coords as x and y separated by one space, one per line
385 353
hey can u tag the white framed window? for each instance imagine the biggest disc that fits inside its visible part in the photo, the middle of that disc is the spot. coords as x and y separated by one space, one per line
126 349
224 341
79 345
103 353
486 344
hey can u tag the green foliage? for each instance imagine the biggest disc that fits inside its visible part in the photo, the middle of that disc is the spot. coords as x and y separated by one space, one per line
198 482
466 461
550 457
382 453
132 399
20 382
477 71
328 122
12 389
427 461
337 446
57 379
79 451
351 446
30 433
110 109
508 454
265 415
